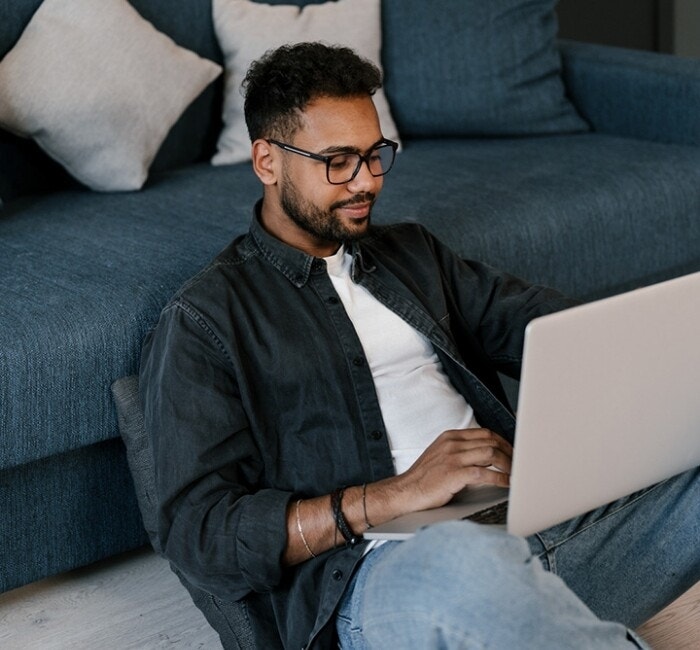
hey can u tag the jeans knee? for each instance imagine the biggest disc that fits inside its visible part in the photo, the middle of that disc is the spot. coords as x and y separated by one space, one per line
462 559
469 549
452 584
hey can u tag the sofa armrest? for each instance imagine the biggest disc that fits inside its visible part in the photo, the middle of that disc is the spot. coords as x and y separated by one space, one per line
632 93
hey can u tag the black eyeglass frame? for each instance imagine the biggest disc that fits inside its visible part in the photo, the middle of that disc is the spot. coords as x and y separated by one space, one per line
384 142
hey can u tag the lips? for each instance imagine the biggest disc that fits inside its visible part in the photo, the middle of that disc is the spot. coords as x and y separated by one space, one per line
357 208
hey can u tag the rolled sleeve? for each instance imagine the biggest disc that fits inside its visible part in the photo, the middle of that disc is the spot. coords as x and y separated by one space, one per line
224 534
257 538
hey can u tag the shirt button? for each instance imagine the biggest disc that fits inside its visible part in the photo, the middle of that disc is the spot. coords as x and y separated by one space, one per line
376 435
337 575
333 300
359 361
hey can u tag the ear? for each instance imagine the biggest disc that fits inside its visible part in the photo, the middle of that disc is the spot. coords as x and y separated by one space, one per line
264 162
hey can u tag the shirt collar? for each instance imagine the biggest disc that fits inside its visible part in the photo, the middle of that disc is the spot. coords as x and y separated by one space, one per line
291 262
294 264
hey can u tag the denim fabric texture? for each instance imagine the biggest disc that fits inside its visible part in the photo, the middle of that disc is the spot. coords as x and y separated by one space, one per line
229 619
255 386
460 586
453 584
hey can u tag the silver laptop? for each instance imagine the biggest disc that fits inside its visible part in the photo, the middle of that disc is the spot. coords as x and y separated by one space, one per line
609 403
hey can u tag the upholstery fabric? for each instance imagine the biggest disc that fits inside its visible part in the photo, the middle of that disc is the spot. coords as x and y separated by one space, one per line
25 168
247 29
637 94
84 496
473 68
79 307
107 59
527 204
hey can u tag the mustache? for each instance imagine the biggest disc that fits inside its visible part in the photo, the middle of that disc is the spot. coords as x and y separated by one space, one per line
365 197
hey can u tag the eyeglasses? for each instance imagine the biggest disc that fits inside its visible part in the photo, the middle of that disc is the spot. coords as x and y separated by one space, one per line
341 168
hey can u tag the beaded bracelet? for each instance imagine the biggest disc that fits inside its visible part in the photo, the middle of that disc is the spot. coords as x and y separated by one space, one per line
340 522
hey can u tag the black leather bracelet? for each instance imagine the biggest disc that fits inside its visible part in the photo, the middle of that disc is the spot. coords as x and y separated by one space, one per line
340 522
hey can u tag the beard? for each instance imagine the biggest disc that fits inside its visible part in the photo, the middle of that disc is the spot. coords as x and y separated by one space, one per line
325 225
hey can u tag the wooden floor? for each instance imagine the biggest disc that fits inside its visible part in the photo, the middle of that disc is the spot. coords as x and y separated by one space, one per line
134 602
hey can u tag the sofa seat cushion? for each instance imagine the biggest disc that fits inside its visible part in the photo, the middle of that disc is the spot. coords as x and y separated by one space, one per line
85 275
589 214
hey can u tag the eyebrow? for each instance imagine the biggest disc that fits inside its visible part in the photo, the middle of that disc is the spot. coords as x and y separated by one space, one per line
338 149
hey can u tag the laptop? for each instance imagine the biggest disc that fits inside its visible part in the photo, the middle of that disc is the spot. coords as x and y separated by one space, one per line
608 404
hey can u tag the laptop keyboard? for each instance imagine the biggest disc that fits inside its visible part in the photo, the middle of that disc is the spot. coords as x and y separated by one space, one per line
492 515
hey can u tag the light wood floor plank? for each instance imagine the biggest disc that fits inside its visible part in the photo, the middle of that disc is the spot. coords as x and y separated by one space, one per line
132 602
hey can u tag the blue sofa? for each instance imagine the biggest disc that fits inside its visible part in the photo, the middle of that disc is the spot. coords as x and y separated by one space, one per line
605 200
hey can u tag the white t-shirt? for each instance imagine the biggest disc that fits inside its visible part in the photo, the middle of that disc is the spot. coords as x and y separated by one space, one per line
416 398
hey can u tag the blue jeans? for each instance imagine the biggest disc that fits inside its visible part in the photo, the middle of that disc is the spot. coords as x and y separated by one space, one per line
461 585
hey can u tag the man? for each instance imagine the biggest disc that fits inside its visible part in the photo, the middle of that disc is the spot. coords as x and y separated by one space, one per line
323 375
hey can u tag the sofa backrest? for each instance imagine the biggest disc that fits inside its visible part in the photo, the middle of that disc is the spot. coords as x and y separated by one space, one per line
25 168
465 68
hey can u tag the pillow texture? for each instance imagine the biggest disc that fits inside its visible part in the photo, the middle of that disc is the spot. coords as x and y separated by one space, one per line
475 68
98 88
246 30
139 456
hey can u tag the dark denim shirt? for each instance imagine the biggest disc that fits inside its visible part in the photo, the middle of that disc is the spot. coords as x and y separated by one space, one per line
256 392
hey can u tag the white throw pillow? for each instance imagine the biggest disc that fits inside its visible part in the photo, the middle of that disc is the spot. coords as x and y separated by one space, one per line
246 30
99 88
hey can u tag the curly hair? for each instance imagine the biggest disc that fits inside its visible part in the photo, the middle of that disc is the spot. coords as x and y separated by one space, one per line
280 84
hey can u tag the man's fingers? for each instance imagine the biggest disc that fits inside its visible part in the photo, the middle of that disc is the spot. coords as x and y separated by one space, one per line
476 475
472 439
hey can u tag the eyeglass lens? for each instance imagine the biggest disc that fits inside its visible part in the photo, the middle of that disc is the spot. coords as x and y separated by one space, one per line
342 168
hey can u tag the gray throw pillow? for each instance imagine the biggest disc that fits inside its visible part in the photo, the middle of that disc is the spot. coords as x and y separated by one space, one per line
98 88
246 30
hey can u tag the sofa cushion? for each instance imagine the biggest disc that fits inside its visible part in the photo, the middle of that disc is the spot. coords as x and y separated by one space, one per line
86 274
247 29
98 88
570 211
472 68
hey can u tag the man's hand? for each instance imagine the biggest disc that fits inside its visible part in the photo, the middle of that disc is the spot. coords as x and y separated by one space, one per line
456 459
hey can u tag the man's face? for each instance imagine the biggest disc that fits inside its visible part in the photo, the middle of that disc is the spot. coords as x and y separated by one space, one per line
320 215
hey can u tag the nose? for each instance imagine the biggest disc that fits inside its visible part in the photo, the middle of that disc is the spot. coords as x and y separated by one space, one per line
364 181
